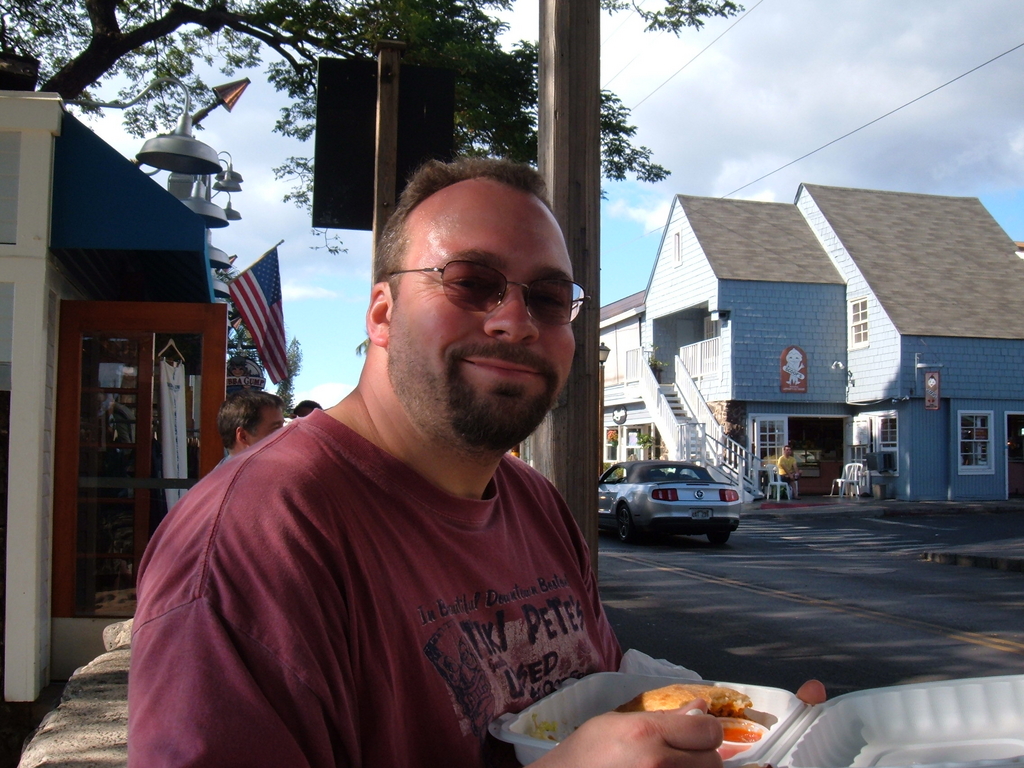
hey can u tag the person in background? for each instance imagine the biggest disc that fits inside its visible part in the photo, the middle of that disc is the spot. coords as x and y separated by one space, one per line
789 471
305 408
248 416
377 583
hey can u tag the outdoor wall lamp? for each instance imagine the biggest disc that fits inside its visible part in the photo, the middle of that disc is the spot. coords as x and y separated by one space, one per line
602 353
176 151
199 203
228 180
229 212
837 365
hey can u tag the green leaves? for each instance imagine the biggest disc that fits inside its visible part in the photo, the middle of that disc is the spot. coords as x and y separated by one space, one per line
83 44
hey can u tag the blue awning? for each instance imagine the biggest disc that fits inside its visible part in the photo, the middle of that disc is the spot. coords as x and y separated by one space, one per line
117 232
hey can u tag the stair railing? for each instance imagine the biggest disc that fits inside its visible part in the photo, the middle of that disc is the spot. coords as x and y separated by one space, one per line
731 458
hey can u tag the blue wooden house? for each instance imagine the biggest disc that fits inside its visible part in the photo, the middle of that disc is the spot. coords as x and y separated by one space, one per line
855 325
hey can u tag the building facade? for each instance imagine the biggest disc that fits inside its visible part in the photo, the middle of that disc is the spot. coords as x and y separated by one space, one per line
101 269
855 325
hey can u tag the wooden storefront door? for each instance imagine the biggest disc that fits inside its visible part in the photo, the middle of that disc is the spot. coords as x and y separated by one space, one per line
138 389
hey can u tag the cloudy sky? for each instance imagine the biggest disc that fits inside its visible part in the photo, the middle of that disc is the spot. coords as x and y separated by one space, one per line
730 110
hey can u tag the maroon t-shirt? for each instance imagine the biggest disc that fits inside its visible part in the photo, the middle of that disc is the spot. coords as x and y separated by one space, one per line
315 602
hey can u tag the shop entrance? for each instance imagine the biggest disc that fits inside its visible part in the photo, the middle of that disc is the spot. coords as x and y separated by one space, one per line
1015 454
818 446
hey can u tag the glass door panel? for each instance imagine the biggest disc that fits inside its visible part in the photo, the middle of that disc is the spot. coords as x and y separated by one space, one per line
134 441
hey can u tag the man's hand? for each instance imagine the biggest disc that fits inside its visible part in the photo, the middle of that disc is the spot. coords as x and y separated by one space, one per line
686 738
811 692
672 738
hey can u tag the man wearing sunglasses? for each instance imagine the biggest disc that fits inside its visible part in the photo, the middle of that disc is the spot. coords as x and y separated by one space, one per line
376 584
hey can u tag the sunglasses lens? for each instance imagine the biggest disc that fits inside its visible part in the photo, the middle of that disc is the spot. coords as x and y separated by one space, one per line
472 286
555 302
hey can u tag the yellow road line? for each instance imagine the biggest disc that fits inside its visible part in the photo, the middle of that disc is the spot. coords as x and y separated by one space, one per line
974 638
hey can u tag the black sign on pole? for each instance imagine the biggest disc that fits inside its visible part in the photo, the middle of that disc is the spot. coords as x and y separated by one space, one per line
346 114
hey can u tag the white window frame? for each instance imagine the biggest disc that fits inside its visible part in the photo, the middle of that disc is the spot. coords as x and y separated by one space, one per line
859 323
772 435
677 248
986 443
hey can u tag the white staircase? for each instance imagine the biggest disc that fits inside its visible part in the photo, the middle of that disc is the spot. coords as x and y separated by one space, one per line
692 433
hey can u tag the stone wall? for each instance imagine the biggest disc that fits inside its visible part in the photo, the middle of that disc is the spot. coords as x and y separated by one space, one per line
90 725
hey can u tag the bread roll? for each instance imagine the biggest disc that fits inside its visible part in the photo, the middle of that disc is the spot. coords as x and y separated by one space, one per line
722 702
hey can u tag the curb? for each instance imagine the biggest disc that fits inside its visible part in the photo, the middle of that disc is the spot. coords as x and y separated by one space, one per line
1014 564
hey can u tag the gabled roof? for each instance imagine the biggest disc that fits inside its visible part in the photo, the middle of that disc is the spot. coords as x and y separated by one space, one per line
625 304
750 240
940 266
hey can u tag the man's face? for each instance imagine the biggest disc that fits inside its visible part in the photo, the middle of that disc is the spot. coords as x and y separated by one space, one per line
484 380
271 420
787 451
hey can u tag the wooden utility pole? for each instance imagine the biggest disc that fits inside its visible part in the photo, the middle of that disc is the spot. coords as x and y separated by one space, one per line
389 67
567 444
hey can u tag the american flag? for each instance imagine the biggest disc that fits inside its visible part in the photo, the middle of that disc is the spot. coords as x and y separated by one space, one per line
257 295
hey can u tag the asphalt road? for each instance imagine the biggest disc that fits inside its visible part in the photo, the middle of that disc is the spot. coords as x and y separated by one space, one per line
847 601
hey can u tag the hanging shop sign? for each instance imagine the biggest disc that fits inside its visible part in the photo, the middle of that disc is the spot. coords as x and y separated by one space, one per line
244 373
932 383
793 370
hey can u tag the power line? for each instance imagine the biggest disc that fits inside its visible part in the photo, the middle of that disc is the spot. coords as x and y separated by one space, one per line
645 98
872 122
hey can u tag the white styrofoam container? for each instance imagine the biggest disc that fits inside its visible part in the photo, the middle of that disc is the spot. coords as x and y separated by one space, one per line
579 700
950 723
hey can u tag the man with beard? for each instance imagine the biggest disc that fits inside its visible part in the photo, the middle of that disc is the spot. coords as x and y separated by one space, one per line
375 584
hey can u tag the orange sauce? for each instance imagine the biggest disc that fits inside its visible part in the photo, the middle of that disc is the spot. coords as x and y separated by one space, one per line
741 735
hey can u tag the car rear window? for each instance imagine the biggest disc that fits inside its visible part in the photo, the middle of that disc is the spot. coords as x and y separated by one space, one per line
680 474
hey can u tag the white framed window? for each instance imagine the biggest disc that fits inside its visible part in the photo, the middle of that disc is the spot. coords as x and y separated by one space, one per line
888 434
771 437
677 249
859 323
976 456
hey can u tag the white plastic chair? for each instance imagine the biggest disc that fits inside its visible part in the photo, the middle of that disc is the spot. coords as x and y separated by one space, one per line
851 482
776 487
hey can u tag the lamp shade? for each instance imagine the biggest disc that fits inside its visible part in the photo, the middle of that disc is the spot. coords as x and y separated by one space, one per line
218 258
229 181
229 212
181 154
220 288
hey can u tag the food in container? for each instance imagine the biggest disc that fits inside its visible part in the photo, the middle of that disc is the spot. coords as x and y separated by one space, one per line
951 723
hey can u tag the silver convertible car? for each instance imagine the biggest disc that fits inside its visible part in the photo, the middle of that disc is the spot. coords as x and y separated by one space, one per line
638 497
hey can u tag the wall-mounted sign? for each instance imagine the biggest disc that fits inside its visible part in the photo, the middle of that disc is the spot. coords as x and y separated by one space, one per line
932 382
793 370
244 373
619 415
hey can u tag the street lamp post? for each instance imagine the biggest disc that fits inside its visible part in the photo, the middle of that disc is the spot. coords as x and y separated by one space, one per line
602 356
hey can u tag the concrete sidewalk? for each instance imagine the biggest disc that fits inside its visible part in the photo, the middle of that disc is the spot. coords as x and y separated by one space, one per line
1003 554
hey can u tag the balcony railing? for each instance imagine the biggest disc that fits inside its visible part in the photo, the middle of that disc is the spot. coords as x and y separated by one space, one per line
701 359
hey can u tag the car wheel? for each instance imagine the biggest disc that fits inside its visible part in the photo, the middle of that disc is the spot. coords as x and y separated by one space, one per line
626 529
719 537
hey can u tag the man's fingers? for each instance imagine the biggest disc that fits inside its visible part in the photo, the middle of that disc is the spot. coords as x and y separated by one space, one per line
691 728
812 692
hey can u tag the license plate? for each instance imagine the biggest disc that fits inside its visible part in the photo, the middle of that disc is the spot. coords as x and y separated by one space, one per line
701 514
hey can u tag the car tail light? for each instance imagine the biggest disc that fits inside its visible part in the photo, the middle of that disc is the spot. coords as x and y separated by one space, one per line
728 494
665 494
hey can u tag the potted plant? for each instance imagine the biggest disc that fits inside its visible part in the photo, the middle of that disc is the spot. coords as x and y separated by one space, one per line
656 365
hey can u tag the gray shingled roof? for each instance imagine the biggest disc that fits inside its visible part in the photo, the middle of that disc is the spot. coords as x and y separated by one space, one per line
940 266
750 240
623 305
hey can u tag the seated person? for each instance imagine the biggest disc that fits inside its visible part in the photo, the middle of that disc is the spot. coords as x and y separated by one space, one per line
789 472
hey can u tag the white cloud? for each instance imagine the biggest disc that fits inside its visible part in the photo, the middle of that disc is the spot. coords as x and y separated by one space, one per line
792 76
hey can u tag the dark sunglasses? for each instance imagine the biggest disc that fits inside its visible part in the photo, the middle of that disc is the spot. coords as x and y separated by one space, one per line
479 288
